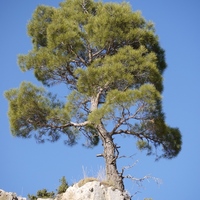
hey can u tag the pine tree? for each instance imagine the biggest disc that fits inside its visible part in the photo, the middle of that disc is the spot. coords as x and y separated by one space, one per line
110 60
63 185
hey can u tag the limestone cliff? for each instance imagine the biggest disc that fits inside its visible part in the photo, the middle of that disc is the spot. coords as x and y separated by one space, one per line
86 189
9 196
93 190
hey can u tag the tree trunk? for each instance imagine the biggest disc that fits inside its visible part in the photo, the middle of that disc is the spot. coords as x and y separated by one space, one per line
110 155
110 150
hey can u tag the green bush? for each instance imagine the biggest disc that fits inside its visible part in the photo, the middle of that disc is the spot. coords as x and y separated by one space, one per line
41 194
44 194
32 197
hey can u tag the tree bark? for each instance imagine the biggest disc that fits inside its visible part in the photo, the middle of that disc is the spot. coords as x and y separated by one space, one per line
110 155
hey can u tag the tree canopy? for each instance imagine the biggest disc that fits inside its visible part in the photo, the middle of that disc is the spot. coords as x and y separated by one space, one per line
110 60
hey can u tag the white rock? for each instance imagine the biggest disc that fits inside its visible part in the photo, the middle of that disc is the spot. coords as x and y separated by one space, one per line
93 190
10 196
88 189
45 198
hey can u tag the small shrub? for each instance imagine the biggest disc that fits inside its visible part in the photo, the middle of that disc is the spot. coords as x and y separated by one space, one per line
63 186
32 197
41 194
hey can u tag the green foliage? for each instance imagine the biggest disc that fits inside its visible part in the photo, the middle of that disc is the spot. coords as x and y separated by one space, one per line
110 60
126 68
44 194
143 145
32 197
30 108
63 186
41 194
125 99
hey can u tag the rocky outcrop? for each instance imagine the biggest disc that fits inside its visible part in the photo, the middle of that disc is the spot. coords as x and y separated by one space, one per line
9 196
93 190
86 189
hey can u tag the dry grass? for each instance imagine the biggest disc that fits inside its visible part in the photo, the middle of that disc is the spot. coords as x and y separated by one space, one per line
90 179
101 174
108 184
86 180
101 177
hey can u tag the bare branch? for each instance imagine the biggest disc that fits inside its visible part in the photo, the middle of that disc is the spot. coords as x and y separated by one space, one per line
70 124
100 155
83 5
129 167
140 180
124 119
89 54
79 57
98 52
127 156
79 124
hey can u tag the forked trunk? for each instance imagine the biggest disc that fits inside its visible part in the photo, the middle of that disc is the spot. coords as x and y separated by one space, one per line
112 175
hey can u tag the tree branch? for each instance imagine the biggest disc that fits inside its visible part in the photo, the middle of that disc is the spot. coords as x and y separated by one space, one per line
83 5
70 124
98 52
125 119
139 180
79 57
117 153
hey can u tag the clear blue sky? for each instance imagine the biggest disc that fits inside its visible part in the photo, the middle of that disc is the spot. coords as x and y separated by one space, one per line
26 167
